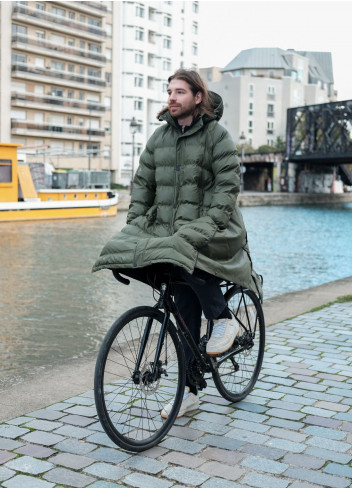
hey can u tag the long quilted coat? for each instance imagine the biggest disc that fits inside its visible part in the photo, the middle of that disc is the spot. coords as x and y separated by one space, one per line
183 207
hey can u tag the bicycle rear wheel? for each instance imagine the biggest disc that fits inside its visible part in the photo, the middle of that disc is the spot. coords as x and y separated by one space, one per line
236 376
129 402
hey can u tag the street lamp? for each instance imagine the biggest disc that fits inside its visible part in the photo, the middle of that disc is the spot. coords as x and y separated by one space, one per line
133 130
242 139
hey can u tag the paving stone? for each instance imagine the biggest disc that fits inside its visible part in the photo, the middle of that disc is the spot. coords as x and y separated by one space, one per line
36 451
287 434
248 406
6 473
186 460
10 431
249 425
71 461
249 416
83 401
42 438
77 420
225 471
29 465
207 427
325 432
60 406
338 469
266 452
302 460
49 414
228 457
214 408
26 481
7 444
143 480
145 464
222 442
73 432
261 480
320 421
155 452
82 411
103 484
285 423
109 455
190 432
185 446
247 436
264 465
283 413
106 471
318 412
213 418
75 446
6 456
289 446
317 477
20 420
219 482
336 446
66 477
185 476
43 425
325 454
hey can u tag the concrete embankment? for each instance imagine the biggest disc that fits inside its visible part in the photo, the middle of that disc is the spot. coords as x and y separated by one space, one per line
47 385
248 199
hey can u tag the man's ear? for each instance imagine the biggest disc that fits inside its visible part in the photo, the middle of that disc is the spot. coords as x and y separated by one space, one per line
198 98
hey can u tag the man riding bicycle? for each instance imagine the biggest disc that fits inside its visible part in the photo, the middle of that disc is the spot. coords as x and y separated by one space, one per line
183 213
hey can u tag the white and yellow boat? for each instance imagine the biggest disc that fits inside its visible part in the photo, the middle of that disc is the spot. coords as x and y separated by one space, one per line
16 181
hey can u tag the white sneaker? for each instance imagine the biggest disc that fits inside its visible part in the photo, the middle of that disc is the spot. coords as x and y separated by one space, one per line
223 336
190 403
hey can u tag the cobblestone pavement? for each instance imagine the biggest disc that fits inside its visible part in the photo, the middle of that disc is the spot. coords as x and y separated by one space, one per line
293 430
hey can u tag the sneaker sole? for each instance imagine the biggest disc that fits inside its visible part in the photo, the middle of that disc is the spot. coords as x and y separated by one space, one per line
180 415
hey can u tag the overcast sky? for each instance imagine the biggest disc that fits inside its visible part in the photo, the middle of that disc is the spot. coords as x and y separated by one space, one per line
228 27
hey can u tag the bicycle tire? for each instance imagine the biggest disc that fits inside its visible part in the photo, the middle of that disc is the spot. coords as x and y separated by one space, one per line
236 377
128 411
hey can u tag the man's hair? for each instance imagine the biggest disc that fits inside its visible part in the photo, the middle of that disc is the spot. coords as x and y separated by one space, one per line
197 85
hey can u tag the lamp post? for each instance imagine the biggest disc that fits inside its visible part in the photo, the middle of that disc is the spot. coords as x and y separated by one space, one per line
242 139
133 130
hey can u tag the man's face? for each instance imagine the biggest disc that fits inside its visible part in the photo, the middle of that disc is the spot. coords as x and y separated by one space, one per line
181 101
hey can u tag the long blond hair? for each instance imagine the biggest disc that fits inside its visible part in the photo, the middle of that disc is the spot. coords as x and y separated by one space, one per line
196 84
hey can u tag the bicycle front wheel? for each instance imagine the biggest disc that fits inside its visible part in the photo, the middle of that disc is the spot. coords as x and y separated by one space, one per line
236 376
129 400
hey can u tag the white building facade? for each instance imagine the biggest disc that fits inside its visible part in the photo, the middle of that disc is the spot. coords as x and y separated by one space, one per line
260 84
156 39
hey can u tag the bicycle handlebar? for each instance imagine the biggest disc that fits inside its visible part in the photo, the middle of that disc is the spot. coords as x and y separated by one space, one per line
123 280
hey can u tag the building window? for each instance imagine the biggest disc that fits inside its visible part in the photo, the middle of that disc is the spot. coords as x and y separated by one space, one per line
81 95
60 12
195 28
195 7
71 68
250 111
108 78
18 58
70 94
194 49
138 81
107 127
251 89
250 127
71 42
166 64
271 90
140 11
270 110
139 58
57 66
168 20
167 42
94 22
40 6
270 127
139 34
71 15
19 29
138 105
94 73
95 48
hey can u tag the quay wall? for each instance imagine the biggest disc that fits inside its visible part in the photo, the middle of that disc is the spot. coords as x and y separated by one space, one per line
248 199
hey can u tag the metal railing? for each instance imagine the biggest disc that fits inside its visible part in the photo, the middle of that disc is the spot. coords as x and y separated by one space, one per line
55 100
47 126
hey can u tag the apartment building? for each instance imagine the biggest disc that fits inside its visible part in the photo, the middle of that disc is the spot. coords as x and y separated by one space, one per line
56 81
260 84
74 74
156 39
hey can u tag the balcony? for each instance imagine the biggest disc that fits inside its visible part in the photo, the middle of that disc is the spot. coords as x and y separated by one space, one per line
270 113
270 96
52 102
50 130
34 44
23 70
94 8
270 131
57 22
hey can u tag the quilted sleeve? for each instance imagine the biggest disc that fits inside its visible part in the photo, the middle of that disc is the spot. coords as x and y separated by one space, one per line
143 191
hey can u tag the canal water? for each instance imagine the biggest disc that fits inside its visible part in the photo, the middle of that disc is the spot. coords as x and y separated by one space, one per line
53 308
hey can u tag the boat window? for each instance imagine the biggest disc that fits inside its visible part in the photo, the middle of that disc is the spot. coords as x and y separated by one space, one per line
75 196
5 171
64 196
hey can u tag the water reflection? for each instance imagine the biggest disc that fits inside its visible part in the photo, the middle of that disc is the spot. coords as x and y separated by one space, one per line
53 308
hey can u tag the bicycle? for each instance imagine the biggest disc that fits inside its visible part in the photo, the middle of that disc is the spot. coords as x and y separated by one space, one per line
141 367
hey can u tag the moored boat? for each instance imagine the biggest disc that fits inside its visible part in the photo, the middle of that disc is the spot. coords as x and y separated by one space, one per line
21 201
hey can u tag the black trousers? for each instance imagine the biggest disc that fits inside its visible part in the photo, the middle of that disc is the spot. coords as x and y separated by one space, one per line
200 293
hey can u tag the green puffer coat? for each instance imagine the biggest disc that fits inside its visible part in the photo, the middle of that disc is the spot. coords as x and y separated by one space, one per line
183 206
